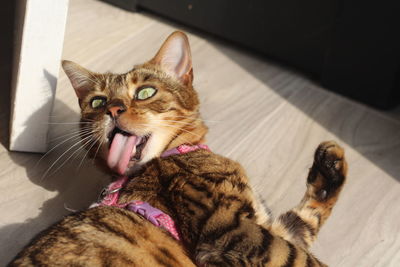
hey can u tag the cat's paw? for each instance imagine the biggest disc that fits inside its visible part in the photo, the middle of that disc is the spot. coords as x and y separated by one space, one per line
328 173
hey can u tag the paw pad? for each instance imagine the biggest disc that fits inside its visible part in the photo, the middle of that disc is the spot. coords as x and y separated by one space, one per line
328 172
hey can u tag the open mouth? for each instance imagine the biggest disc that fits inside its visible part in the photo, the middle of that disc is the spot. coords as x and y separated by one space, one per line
124 148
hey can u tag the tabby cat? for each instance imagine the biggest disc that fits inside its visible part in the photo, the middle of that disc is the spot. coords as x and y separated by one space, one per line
135 117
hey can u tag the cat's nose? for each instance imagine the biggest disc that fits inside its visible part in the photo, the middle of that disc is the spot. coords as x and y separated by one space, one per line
115 111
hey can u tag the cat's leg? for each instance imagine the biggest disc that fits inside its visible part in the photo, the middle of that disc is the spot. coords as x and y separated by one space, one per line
324 183
232 237
263 213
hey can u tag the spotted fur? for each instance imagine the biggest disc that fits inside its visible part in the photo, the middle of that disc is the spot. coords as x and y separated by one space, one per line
209 196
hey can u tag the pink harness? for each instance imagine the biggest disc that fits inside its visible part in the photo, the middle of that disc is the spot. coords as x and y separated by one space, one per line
110 196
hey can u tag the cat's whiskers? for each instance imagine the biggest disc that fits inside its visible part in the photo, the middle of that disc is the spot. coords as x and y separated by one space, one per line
88 150
94 139
72 138
98 148
194 118
89 142
72 154
52 165
177 127
168 125
80 131
179 122
174 134
68 122
85 139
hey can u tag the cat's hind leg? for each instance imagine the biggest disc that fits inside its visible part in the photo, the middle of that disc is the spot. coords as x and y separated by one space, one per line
324 183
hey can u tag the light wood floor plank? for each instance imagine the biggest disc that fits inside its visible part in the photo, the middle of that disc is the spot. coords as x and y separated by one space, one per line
267 117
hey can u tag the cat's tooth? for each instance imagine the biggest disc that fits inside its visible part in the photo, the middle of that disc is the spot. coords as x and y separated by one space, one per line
138 140
133 151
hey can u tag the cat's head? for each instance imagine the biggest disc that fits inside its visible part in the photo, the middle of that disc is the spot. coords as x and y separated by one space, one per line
128 119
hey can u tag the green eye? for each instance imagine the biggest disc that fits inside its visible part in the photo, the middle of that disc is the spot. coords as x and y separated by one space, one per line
146 92
98 101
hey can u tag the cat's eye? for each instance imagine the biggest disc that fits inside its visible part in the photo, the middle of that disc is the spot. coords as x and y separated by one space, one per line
98 102
145 93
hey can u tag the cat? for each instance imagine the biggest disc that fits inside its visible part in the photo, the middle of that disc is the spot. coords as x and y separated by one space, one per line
134 118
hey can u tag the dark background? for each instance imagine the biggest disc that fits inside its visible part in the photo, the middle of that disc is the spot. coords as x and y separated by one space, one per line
350 47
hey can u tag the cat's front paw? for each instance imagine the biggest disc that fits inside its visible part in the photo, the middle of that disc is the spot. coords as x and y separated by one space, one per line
328 173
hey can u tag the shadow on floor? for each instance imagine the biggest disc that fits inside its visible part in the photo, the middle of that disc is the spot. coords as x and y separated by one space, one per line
74 186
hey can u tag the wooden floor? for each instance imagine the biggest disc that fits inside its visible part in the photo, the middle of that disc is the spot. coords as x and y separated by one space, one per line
267 117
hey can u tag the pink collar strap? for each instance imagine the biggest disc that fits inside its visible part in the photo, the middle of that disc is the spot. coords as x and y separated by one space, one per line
155 216
183 149
110 195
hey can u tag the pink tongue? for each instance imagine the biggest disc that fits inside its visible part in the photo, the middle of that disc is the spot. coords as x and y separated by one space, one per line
121 150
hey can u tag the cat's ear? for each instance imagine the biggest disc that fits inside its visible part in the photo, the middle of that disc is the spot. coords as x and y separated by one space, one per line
174 57
81 78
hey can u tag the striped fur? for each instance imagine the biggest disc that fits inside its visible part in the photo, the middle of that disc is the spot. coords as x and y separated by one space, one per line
209 196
